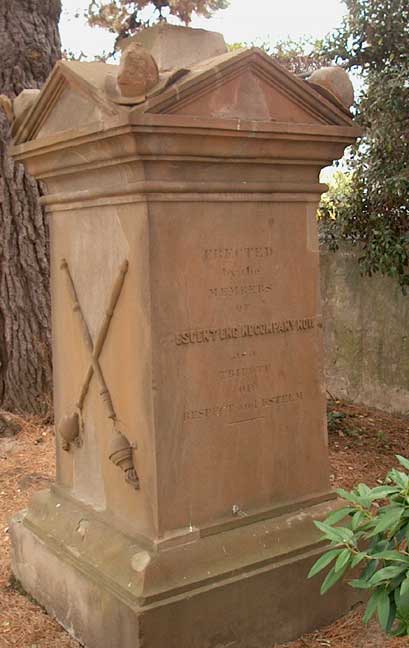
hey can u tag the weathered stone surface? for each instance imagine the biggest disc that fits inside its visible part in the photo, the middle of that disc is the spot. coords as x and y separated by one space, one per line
366 323
173 46
23 102
188 337
138 72
229 588
335 81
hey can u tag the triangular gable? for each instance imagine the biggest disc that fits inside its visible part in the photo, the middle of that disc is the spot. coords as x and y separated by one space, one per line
247 85
73 97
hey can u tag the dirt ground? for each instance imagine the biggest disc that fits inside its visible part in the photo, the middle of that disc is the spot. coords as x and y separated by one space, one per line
363 443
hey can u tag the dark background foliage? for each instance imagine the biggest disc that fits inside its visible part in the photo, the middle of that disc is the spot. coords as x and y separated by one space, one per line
373 41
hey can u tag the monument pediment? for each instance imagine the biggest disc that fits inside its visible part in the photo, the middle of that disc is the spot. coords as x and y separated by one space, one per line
73 97
249 85
244 85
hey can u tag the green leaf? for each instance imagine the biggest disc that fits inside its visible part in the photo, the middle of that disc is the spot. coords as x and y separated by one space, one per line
331 578
400 478
360 583
402 603
385 574
380 492
350 497
387 520
392 613
370 569
404 588
371 606
357 559
403 462
338 515
363 490
342 560
397 556
323 561
336 534
383 608
400 535
357 519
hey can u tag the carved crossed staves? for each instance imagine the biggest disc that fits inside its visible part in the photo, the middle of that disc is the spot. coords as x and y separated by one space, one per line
121 454
96 350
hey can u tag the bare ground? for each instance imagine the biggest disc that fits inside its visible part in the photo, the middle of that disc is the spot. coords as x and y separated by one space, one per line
363 443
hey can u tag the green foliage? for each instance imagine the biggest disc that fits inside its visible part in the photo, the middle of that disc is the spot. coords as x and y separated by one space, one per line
333 211
333 418
373 35
125 17
374 211
375 535
301 56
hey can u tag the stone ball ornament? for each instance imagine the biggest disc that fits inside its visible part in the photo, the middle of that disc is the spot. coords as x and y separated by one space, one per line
16 109
335 81
137 74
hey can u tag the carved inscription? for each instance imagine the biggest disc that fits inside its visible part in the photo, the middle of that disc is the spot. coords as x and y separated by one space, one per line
230 409
246 277
201 336
239 263
245 372
241 291
248 377
239 253
239 355
240 272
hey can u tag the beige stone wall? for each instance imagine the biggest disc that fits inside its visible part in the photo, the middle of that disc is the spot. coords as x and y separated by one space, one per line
366 332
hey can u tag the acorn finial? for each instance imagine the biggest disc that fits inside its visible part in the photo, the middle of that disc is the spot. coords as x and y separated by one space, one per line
121 456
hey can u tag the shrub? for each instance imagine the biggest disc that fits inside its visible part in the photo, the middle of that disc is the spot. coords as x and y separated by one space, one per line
375 535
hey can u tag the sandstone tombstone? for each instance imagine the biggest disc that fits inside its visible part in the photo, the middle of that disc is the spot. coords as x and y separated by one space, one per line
189 400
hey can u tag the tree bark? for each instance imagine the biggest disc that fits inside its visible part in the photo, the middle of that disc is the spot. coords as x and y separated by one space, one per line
29 48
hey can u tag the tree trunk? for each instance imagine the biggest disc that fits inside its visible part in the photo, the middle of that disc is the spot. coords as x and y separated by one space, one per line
29 47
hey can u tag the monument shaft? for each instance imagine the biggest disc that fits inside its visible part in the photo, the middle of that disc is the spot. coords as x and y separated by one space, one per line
189 398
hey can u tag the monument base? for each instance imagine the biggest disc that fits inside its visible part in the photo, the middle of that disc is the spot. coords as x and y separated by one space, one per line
240 588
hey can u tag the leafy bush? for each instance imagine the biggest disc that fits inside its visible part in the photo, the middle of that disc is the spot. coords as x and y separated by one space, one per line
375 536
334 211
373 41
333 419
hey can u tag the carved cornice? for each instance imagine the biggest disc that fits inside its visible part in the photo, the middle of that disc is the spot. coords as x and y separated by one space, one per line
190 126
164 138
161 191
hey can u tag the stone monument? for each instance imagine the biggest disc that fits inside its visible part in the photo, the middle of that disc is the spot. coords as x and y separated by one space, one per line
189 398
